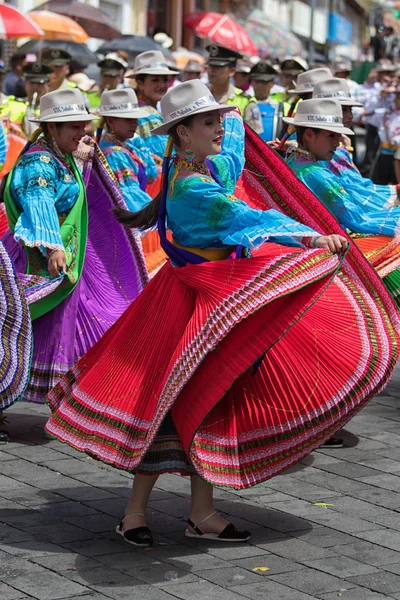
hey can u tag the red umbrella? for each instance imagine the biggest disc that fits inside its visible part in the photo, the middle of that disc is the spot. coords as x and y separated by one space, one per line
13 24
222 30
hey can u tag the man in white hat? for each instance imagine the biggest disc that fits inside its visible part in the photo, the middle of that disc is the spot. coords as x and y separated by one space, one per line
130 165
342 164
152 76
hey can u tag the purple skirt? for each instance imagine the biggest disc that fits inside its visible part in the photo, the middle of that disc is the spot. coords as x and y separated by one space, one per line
113 275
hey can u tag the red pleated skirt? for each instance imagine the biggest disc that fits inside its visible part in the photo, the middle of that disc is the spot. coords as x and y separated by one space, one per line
259 361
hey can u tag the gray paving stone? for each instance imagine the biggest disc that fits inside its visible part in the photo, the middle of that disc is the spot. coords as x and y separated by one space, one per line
325 537
378 497
356 594
95 523
383 537
297 549
231 576
387 465
275 564
10 534
61 562
84 493
96 547
303 490
341 566
368 553
202 590
188 560
114 506
9 593
97 576
311 582
352 470
382 581
385 481
47 586
32 548
234 551
270 590
60 533
132 592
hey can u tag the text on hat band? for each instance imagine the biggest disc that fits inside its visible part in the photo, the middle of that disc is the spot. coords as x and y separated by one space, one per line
199 103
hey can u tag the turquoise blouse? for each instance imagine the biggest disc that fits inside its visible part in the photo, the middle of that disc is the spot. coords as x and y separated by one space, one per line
155 143
383 196
3 145
126 169
355 210
42 188
204 214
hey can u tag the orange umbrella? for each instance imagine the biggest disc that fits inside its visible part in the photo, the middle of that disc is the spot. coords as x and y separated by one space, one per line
59 27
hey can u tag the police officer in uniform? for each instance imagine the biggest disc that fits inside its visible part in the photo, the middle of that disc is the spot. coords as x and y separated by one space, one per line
20 110
58 60
112 69
221 67
290 70
262 77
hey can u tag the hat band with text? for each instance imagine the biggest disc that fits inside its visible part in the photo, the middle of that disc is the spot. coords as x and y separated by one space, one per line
320 119
69 108
333 95
202 102
122 106
61 110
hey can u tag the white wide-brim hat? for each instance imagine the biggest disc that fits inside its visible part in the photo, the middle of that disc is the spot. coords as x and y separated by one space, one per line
335 88
321 113
121 104
184 100
306 81
61 106
151 63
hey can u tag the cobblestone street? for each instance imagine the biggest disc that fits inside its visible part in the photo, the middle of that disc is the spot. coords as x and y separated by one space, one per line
327 528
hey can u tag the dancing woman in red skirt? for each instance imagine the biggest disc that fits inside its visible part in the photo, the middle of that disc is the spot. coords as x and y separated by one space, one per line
249 348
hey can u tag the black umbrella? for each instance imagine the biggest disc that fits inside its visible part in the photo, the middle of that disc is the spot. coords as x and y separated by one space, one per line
133 45
96 23
78 51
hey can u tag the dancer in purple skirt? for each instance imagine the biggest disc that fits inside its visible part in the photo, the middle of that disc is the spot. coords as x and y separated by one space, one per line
81 268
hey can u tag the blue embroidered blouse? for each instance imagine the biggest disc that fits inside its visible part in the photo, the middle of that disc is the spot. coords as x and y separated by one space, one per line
201 213
124 165
42 188
383 196
353 209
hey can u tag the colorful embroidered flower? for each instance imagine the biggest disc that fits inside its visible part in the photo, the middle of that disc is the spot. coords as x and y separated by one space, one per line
42 182
67 178
44 158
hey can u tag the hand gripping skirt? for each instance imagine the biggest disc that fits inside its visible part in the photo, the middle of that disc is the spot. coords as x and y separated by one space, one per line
257 360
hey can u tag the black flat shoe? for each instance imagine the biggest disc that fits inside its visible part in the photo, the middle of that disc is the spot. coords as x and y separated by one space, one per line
138 536
229 534
333 442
